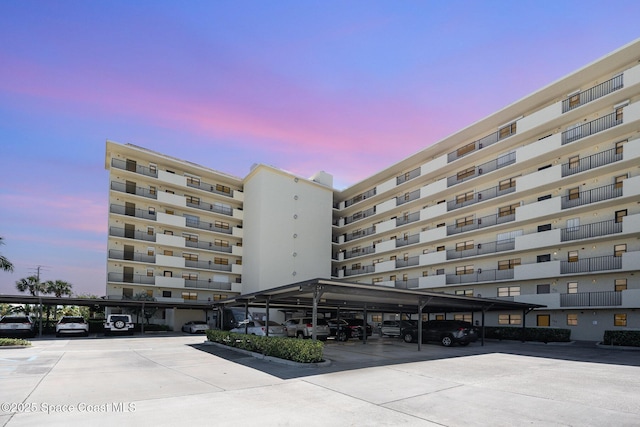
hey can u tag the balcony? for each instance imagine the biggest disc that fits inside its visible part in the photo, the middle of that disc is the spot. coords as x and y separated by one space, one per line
589 265
131 278
207 284
591 299
408 176
362 270
591 162
130 211
207 265
408 197
360 215
131 234
482 195
598 91
130 188
359 252
491 166
592 196
359 233
410 240
360 197
479 276
408 219
587 231
208 226
482 249
484 142
209 207
593 127
406 284
207 246
409 262
132 166
478 223
211 188
132 256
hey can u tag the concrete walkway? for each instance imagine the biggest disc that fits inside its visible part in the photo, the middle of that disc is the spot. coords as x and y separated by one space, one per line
176 379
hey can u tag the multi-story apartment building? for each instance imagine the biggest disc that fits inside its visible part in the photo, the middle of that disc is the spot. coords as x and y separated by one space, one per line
537 203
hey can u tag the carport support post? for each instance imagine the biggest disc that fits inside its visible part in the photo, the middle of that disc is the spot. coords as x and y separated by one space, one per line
364 326
266 325
317 293
246 316
142 324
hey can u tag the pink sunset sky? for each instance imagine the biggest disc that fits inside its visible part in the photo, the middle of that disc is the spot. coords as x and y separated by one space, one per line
348 87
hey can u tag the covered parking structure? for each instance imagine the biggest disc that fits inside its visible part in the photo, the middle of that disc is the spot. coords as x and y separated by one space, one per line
321 295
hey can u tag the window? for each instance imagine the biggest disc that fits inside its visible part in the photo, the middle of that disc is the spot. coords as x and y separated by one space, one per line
152 190
151 251
466 173
407 196
439 271
166 294
620 319
543 289
464 292
618 250
620 147
190 237
543 258
169 191
169 211
619 114
543 320
572 287
168 252
574 162
462 246
467 220
620 285
153 168
619 179
223 189
545 197
376 280
573 224
572 256
190 296
221 224
467 269
150 293
544 227
152 210
127 293
168 232
167 273
620 214
190 257
192 199
461 198
506 184
425 273
440 249
190 276
221 261
509 291
442 224
507 131
509 319
508 264
507 210
574 193
392 278
572 319
466 149
463 317
150 231
149 272
193 181
574 100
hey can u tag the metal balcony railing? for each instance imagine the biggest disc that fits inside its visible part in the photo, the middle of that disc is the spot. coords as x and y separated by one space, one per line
592 196
480 275
496 164
407 176
408 197
409 262
588 265
478 223
360 215
208 226
479 196
413 217
587 231
211 208
131 234
132 189
410 240
131 278
207 265
482 249
133 167
479 144
211 188
591 162
360 197
359 233
598 91
406 284
363 270
207 284
207 246
131 256
591 299
594 126
138 213
359 252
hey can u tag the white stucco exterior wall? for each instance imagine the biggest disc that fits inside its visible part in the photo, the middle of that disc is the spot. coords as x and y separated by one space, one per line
287 229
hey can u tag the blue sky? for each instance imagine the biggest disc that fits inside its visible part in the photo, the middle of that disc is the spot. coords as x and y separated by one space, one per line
348 87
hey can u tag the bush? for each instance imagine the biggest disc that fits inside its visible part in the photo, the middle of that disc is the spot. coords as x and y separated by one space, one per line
624 338
531 334
303 351
13 341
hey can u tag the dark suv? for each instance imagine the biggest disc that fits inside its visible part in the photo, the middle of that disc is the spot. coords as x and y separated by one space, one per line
446 332
347 328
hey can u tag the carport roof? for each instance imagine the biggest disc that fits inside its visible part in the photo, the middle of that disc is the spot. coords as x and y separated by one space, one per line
331 295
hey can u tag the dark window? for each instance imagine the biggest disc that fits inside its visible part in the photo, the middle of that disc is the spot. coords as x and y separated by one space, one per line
544 289
544 258
545 227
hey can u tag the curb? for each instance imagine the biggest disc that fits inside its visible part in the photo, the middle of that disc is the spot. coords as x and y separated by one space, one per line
261 356
616 347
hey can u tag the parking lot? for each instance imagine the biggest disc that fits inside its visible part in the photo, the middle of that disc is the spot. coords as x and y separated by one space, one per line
171 379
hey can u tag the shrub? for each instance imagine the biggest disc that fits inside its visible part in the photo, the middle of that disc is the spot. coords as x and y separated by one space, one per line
303 351
624 338
531 334
13 341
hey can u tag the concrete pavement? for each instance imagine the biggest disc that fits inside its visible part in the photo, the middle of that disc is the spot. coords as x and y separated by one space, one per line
175 379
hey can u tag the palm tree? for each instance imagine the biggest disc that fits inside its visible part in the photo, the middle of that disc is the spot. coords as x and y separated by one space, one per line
58 288
31 284
5 265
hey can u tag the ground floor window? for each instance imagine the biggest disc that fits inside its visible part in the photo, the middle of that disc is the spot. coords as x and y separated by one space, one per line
509 319
572 319
620 319
190 295
463 317
543 320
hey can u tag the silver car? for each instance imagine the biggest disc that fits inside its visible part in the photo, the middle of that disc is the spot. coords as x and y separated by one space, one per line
302 327
195 327
257 327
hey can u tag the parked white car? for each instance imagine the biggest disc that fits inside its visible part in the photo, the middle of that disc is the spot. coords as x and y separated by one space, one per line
11 326
195 326
302 327
118 323
72 325
257 327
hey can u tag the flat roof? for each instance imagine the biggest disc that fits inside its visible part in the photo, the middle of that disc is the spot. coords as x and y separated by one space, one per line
333 295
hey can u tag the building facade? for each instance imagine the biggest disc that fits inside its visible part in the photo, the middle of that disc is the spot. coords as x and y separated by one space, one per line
537 203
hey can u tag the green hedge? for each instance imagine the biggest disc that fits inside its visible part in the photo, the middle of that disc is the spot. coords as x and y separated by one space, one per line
531 334
303 351
624 338
13 341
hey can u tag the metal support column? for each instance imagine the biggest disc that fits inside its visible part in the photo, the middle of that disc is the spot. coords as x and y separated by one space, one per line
364 326
266 322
